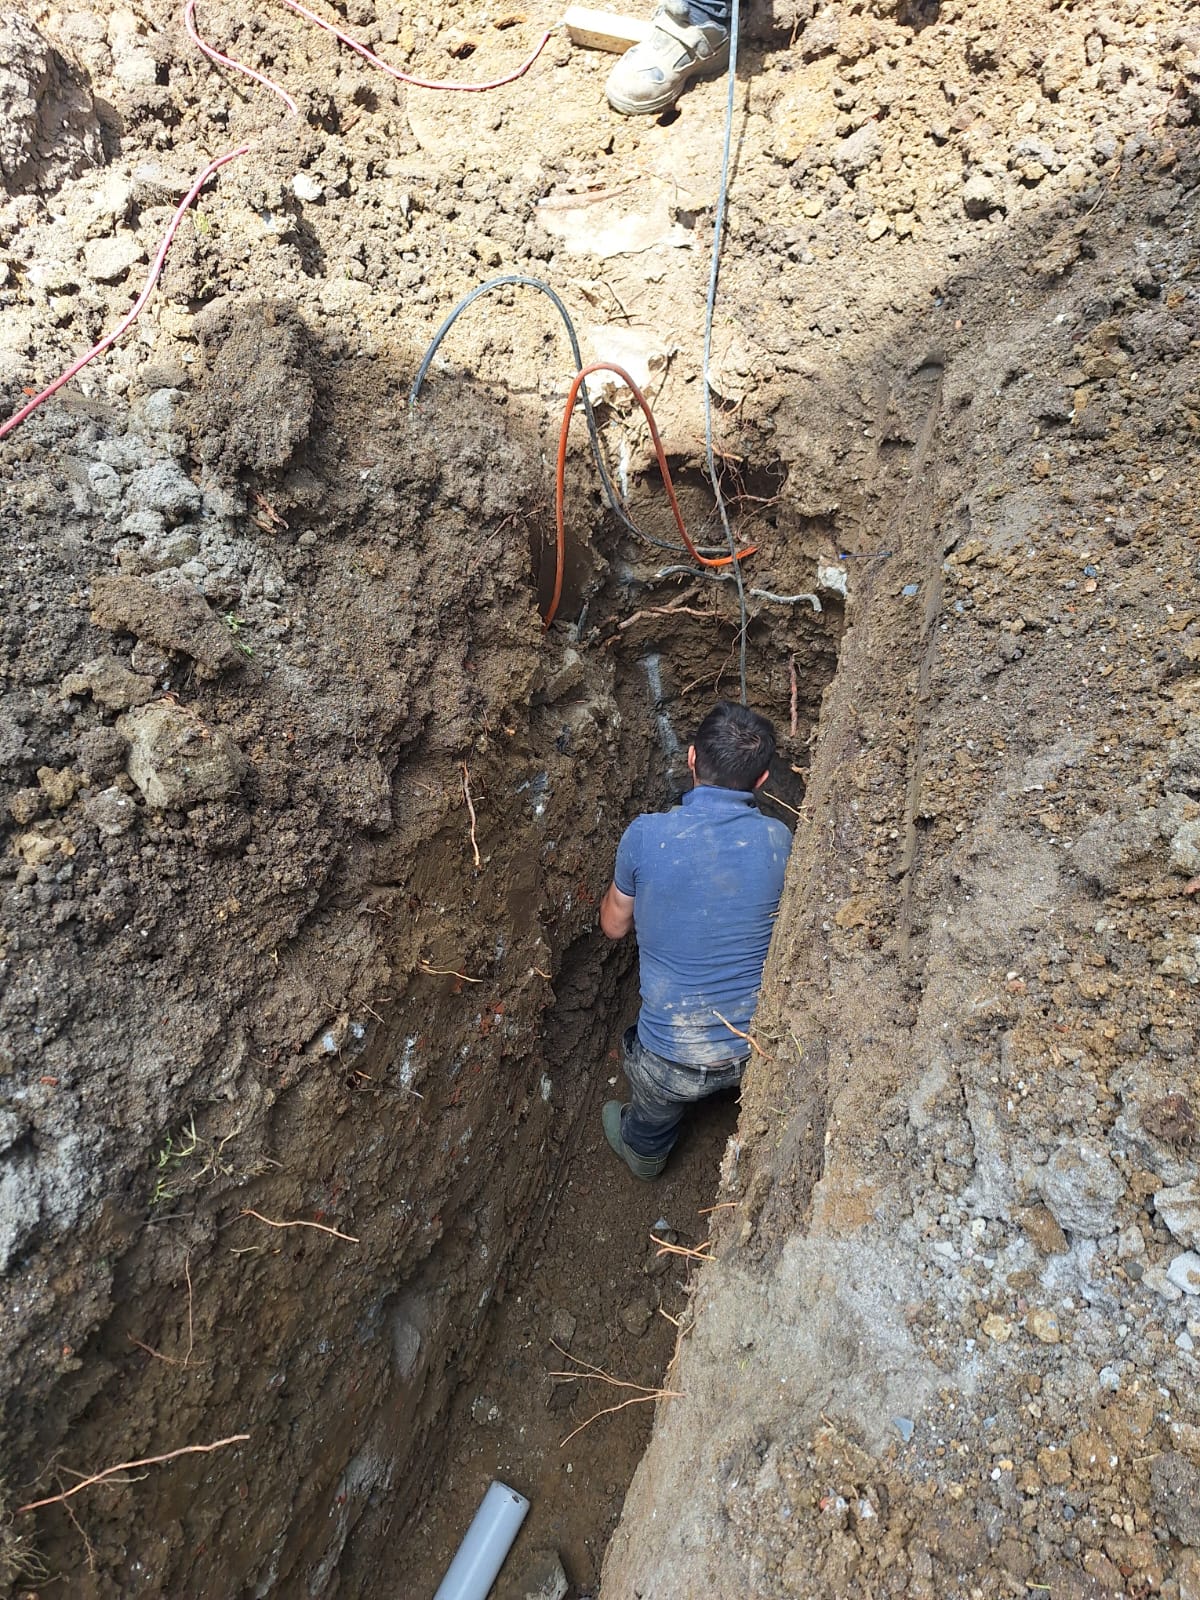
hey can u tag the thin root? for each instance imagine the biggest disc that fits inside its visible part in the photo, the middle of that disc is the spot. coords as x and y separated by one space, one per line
448 972
171 1361
668 1249
466 783
128 1466
749 1037
767 795
645 1392
319 1226
634 1400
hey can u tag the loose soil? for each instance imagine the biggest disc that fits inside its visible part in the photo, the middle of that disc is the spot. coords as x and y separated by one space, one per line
599 1294
264 626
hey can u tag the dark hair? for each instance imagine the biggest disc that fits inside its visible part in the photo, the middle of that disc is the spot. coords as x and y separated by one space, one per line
734 746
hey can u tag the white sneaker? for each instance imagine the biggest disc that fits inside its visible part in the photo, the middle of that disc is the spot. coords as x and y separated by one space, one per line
651 75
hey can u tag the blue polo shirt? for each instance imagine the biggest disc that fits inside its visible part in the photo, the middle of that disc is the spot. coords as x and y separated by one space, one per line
705 879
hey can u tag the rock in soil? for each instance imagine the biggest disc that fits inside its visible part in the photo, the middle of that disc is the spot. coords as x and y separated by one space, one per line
177 760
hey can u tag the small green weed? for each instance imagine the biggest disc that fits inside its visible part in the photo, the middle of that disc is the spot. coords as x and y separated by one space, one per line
187 1161
235 625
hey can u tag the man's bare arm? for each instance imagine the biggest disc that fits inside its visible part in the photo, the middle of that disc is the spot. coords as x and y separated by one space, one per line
616 913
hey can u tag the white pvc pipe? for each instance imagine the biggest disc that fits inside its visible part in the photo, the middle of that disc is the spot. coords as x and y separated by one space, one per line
488 1540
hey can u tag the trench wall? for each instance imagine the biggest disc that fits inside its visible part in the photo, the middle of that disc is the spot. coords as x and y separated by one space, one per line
947 1342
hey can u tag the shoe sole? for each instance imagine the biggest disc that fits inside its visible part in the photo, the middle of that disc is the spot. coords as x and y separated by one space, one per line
703 69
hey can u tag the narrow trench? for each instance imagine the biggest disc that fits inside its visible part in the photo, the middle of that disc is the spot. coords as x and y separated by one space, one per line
575 1278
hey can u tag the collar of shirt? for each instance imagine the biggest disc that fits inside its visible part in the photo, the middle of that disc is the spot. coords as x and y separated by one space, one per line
707 794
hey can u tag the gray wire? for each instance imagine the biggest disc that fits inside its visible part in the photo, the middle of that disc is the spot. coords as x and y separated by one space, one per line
786 599
609 488
756 594
718 230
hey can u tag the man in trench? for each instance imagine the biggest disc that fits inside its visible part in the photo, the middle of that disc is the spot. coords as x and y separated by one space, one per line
700 884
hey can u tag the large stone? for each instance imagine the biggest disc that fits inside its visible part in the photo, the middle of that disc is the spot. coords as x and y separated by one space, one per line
1185 758
305 187
1081 1186
991 1192
111 812
48 126
1184 1272
19 1206
177 760
540 1577
1110 844
160 409
1157 1126
1182 959
110 683
1043 1230
981 195
164 488
109 260
857 152
102 205
1179 1208
170 613
1185 848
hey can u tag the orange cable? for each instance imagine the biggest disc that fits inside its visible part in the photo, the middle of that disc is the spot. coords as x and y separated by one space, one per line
561 480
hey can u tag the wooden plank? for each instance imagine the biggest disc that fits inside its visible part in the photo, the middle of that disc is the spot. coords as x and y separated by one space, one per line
605 30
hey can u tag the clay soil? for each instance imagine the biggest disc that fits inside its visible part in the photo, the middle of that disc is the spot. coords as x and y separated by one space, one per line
267 630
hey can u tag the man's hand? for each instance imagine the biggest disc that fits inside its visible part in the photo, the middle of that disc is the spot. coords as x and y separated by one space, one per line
616 913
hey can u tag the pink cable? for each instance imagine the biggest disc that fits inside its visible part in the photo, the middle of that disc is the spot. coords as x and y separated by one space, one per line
155 270
189 22
405 77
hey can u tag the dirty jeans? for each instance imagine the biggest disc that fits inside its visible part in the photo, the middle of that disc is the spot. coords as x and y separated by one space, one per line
709 11
662 1090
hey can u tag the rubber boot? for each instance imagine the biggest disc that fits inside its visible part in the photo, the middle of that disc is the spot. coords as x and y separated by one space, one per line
645 1167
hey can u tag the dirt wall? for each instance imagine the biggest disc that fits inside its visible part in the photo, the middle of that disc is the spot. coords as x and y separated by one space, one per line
947 1346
